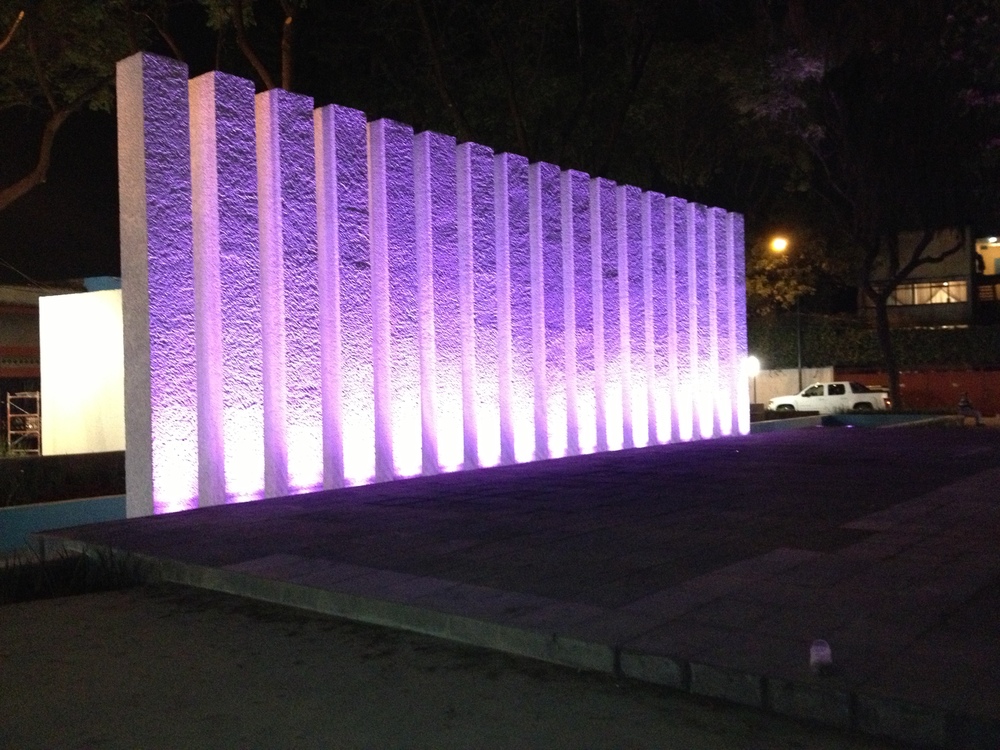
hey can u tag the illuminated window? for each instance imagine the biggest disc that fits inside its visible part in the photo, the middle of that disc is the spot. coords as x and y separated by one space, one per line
930 293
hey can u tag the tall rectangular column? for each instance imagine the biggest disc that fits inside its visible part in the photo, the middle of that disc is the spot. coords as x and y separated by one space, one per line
517 379
607 314
293 410
478 305
686 321
581 431
434 172
548 312
653 328
345 296
735 239
227 289
701 318
423 177
668 305
631 294
723 301
398 448
158 307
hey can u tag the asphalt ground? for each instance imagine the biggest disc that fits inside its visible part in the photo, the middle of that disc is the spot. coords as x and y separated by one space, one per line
709 568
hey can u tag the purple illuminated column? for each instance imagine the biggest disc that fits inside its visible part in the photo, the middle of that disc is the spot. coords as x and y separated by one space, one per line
478 305
398 449
440 286
654 331
701 319
741 399
514 309
548 311
227 289
667 304
686 321
722 354
154 182
345 296
607 314
581 436
633 316
293 412
423 177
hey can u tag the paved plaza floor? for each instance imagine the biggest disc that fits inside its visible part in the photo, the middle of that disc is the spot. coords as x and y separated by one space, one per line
710 567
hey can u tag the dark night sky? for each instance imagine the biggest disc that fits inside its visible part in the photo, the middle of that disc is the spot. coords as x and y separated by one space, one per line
67 227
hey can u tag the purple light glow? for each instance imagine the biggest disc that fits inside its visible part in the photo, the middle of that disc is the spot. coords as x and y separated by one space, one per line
398 423
635 420
481 360
581 416
293 422
607 324
549 313
741 399
423 305
345 293
230 389
514 257
158 285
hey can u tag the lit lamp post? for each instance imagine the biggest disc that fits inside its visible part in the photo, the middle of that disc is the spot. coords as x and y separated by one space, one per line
779 244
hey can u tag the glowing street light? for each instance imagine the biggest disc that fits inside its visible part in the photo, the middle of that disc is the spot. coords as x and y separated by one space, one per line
780 244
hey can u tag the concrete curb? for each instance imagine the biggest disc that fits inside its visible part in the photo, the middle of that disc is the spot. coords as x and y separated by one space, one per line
829 704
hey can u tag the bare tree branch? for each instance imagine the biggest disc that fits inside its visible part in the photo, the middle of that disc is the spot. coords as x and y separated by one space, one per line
166 36
13 28
516 115
287 37
640 56
36 64
434 47
40 172
243 42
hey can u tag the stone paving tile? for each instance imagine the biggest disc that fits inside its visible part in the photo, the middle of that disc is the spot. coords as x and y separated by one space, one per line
685 640
760 654
669 603
614 627
730 612
327 574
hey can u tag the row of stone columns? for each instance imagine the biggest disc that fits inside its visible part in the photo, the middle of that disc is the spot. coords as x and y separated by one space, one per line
314 300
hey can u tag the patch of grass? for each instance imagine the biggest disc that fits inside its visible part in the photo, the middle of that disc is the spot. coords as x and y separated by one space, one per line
26 576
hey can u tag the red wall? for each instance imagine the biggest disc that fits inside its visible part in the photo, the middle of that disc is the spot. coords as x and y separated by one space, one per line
938 389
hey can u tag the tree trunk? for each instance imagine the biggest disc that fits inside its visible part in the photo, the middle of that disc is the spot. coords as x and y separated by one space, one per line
884 335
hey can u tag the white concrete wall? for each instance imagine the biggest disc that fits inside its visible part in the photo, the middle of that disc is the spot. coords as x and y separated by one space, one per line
82 364
771 383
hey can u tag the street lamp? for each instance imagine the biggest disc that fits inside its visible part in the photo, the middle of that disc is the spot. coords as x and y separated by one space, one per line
780 244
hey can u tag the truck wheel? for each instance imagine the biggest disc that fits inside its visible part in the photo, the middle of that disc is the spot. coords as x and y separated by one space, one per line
864 406
784 407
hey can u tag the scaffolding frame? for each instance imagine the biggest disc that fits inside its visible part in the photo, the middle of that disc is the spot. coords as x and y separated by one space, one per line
24 423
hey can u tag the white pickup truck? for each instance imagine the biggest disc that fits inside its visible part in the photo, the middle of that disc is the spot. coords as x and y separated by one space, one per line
833 398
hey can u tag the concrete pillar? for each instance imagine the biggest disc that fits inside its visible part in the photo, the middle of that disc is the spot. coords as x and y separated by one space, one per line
517 386
293 432
227 289
398 447
154 174
478 301
578 312
345 296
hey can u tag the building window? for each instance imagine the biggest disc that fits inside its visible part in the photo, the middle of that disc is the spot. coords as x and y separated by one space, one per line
929 293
